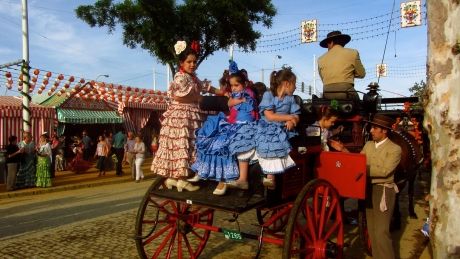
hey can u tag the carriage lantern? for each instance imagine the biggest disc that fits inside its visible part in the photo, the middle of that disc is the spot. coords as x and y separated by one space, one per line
372 99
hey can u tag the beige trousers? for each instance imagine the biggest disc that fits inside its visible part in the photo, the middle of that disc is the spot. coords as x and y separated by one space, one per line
378 222
131 160
12 169
340 91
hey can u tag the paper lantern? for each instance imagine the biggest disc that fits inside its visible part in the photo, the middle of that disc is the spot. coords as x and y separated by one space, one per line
36 72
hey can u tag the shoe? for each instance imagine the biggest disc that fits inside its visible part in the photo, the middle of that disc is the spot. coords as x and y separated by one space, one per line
181 185
170 182
269 183
137 181
194 179
220 192
238 185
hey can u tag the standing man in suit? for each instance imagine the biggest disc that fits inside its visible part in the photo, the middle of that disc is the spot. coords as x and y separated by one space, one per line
382 156
339 67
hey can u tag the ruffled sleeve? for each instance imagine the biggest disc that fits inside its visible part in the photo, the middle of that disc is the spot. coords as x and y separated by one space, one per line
294 107
267 102
181 86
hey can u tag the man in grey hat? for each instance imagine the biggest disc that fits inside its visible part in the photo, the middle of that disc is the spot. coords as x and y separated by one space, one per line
339 67
382 158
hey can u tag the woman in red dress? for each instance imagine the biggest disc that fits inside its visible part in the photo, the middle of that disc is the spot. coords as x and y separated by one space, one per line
78 164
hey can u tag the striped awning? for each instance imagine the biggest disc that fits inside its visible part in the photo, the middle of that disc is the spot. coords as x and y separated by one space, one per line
42 119
88 116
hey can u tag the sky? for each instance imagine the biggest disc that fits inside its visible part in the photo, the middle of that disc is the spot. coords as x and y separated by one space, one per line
62 43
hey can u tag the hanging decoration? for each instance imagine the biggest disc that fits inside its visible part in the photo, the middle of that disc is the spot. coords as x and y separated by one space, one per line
411 14
381 70
34 80
20 82
309 31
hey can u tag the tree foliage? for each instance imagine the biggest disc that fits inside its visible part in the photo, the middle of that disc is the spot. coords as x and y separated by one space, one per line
156 25
419 90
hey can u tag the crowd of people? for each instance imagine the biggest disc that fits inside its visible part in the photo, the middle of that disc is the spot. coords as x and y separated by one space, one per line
35 165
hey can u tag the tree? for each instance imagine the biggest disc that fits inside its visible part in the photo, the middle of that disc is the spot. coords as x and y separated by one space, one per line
419 90
442 121
156 25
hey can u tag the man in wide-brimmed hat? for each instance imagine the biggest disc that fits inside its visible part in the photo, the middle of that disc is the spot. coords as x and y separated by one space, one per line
382 158
339 67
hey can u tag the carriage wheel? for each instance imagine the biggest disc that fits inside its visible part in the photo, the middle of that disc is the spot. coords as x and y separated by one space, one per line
281 214
165 228
315 226
363 232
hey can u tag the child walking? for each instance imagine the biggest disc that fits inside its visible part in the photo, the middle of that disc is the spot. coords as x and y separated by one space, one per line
279 116
222 137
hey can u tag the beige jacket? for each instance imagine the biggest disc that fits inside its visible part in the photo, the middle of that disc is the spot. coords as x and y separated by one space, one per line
340 65
382 161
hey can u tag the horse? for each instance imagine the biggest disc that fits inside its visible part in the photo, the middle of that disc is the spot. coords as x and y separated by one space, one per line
406 172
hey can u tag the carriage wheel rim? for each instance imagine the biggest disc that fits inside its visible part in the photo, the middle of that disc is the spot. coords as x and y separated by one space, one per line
314 222
170 232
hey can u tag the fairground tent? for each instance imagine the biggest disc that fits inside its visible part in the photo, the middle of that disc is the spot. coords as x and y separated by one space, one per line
42 119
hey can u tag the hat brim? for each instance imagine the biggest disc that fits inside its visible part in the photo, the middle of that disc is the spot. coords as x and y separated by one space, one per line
341 39
378 124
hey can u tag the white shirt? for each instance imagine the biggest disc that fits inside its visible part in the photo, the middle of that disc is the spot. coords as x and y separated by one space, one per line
378 144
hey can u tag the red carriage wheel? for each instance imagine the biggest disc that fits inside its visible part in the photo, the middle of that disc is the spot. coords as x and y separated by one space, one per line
315 226
279 215
363 232
166 228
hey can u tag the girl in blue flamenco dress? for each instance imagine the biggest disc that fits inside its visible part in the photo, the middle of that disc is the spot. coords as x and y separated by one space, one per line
279 116
222 136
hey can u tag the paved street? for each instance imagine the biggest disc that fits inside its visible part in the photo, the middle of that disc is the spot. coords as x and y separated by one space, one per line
98 222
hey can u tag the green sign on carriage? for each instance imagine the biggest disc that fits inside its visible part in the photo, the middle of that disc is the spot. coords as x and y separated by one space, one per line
232 234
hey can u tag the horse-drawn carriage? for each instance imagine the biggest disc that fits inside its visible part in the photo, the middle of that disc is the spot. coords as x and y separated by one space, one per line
303 214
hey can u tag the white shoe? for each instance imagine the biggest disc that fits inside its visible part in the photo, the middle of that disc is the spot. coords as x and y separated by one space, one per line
220 192
170 183
194 179
181 184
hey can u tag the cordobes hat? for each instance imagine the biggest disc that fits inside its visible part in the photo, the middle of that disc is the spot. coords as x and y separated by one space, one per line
337 37
382 121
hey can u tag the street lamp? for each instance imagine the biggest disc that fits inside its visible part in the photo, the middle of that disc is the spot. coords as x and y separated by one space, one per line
106 76
274 60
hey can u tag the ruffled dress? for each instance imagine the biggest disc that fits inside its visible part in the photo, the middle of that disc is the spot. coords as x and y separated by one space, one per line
222 138
176 150
43 166
25 176
272 138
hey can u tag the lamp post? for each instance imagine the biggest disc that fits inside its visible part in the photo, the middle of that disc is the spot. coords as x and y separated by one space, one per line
106 76
274 60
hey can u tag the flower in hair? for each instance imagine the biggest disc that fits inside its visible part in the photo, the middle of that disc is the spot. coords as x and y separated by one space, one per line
180 46
195 46
233 67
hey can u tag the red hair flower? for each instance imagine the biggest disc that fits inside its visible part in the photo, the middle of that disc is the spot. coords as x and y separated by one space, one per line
195 46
